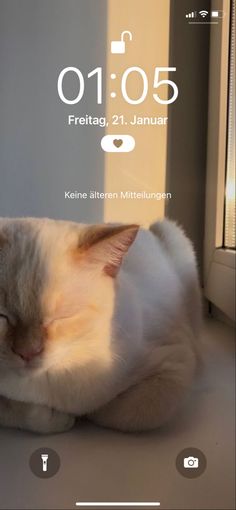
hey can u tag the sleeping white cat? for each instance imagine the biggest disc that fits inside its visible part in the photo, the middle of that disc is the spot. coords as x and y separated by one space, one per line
99 320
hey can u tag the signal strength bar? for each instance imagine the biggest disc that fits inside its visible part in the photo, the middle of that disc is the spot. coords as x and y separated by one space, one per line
192 14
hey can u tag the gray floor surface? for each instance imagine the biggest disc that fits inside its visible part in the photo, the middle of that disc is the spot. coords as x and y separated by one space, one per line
102 465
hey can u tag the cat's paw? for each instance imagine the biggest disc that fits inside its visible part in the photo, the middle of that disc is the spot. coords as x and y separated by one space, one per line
45 420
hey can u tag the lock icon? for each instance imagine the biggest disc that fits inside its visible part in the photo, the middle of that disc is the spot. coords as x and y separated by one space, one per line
119 46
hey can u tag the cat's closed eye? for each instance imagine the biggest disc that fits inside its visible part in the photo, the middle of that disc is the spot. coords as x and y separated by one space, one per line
58 318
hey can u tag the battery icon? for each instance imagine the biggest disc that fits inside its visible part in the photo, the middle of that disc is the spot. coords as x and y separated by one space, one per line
217 14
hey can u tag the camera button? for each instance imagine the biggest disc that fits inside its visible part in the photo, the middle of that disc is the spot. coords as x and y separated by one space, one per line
191 462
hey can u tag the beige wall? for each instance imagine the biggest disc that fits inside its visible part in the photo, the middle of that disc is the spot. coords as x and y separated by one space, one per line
145 167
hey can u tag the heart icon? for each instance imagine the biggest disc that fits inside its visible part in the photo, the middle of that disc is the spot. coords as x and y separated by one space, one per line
117 142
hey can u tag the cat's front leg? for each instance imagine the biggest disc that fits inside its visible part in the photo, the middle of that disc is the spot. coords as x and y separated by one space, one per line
37 418
154 400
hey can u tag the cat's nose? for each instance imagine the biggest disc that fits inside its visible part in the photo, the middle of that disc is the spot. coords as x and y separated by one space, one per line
27 355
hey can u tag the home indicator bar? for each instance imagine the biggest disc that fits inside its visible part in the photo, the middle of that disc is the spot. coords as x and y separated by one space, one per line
116 504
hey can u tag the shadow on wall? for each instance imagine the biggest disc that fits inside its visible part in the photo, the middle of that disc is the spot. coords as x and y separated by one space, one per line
187 132
40 155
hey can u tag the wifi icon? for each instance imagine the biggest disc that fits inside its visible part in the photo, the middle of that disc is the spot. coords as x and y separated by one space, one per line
203 13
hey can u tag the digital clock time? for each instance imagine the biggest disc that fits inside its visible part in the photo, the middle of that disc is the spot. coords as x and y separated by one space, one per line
156 85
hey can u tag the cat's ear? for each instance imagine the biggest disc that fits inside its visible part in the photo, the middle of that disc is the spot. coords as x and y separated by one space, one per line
106 245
